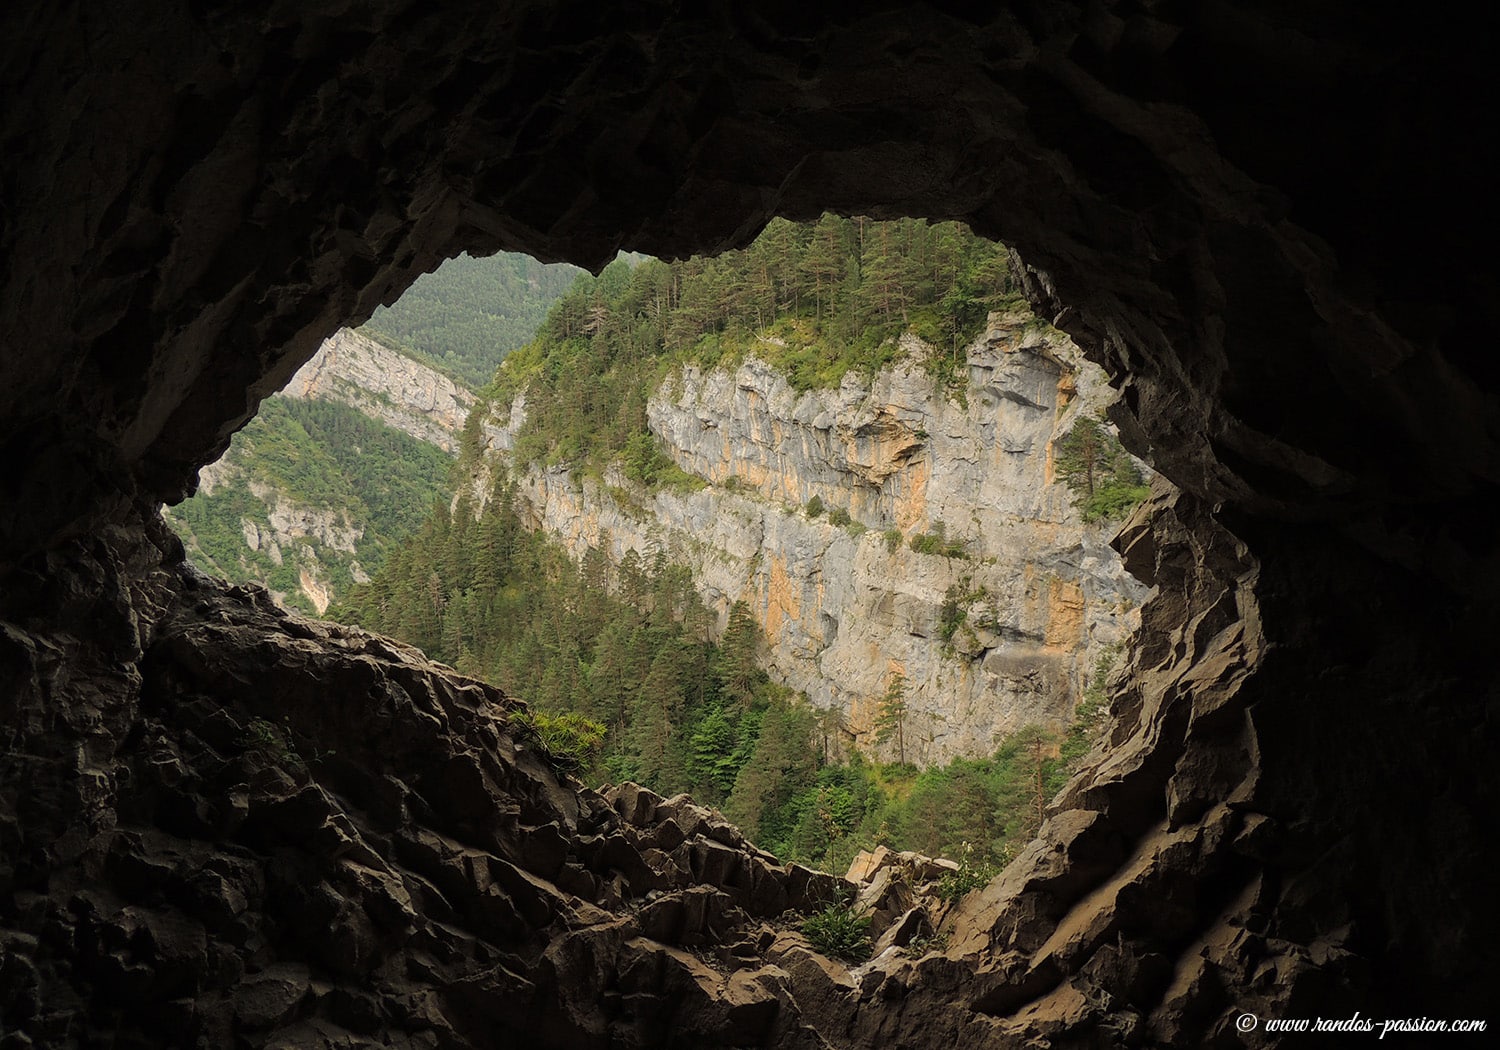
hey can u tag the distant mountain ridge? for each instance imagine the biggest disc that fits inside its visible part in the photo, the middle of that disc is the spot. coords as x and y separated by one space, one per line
386 385
468 313
351 456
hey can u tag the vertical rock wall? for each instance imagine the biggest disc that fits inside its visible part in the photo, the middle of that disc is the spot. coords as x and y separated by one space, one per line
1032 603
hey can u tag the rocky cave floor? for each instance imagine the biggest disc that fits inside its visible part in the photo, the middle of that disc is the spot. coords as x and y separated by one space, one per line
295 833
241 827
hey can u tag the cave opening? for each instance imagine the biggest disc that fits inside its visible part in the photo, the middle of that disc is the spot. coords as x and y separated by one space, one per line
616 414
1295 817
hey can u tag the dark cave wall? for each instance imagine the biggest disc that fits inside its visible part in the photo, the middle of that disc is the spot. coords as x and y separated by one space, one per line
196 195
1258 217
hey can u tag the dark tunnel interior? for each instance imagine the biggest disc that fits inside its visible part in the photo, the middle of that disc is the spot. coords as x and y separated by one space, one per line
1264 220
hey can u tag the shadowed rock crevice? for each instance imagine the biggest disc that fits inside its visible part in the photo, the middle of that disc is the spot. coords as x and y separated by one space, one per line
220 823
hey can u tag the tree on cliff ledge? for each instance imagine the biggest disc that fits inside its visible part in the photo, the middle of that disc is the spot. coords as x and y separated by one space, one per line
1105 481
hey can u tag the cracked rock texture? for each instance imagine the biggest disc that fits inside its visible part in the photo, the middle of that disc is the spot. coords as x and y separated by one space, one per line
317 838
1262 219
1042 596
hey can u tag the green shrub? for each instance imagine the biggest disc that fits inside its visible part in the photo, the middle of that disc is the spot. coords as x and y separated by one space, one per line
954 886
971 875
927 942
836 931
952 614
272 740
937 542
839 516
571 740
892 540
1092 713
1113 501
648 464
815 507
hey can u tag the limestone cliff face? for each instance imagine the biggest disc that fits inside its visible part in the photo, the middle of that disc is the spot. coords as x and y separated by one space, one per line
315 540
306 545
353 369
1003 636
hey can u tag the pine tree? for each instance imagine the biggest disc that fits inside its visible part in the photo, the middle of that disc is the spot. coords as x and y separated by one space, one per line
455 558
712 761
781 763
890 719
653 721
738 669
824 262
454 633
491 559
1033 752
594 596
832 724
884 293
633 581
1105 480
1082 455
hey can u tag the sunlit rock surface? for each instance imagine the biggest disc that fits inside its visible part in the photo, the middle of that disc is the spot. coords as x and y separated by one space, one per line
355 370
1034 600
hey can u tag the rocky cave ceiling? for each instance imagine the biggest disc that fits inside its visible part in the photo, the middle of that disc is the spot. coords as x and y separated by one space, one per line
1264 219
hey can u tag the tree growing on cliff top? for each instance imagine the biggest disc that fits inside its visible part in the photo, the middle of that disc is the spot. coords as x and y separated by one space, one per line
813 300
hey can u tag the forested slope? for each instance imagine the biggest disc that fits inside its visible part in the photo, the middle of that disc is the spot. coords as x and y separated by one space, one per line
309 499
314 491
627 665
621 672
466 315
